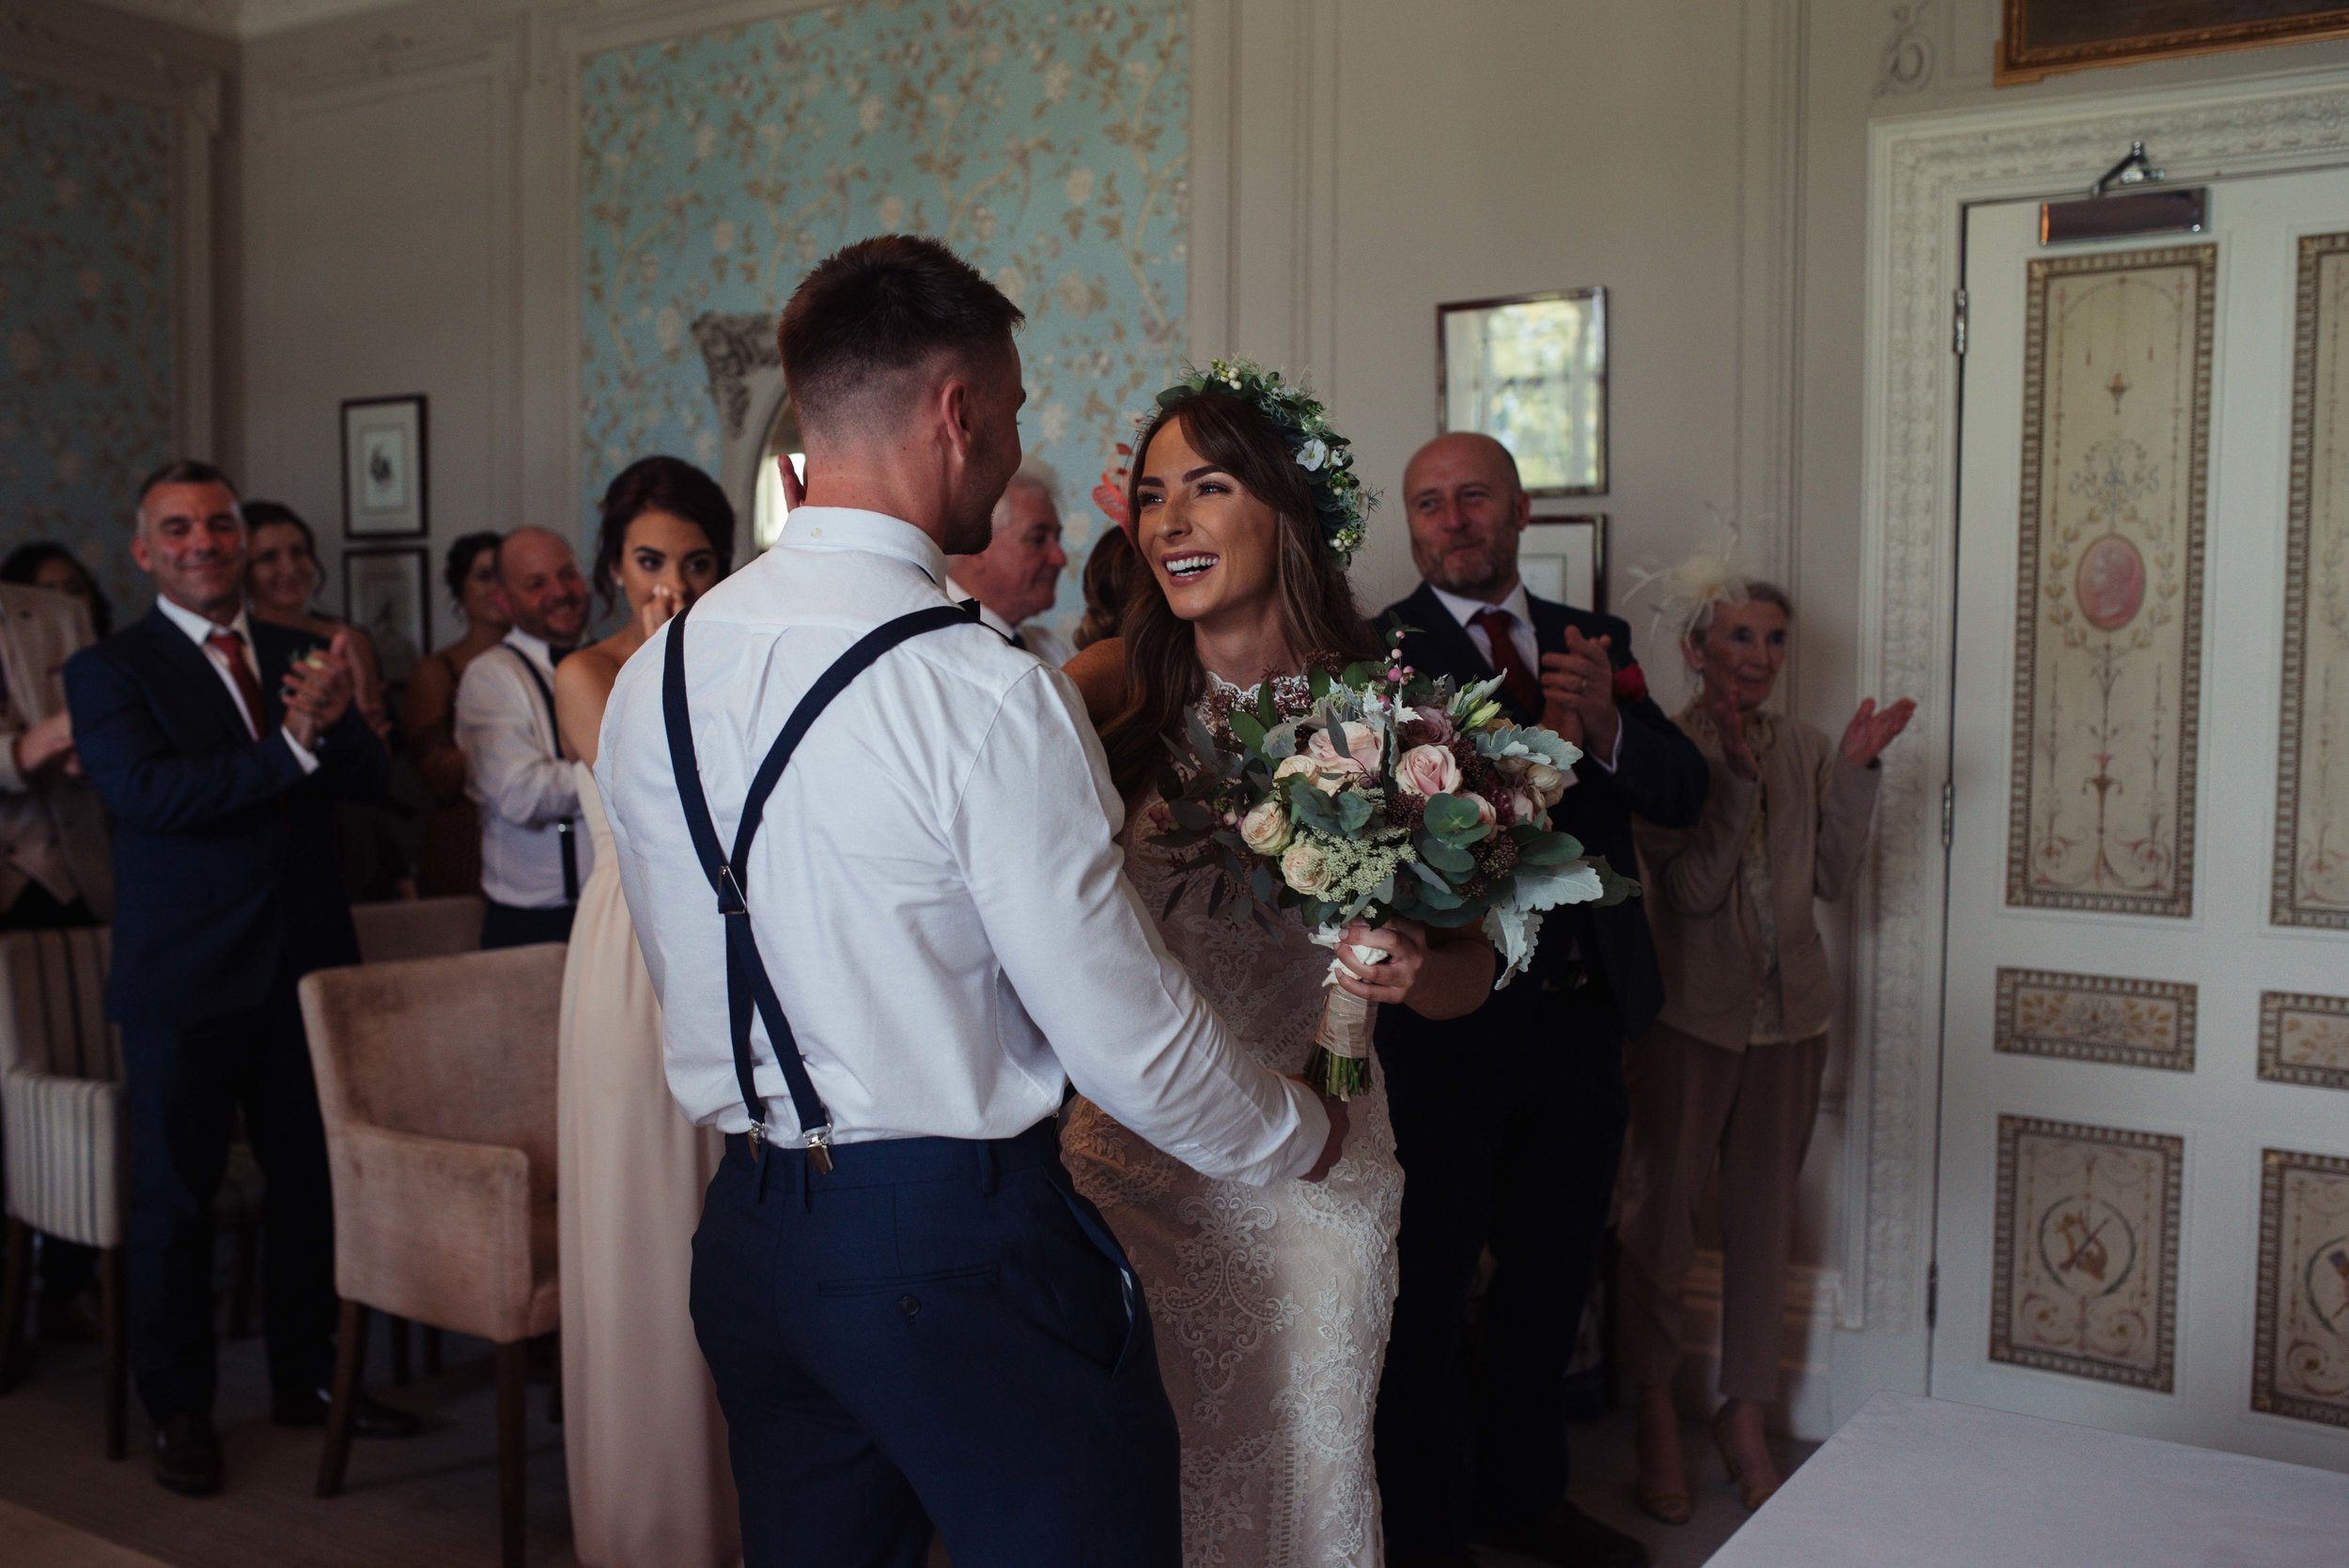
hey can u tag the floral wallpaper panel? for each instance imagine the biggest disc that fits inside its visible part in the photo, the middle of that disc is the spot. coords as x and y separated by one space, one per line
1046 140
85 319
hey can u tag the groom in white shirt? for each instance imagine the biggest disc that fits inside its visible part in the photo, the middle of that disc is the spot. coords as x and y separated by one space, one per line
912 1319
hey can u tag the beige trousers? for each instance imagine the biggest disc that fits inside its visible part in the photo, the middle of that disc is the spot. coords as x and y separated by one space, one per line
1696 1106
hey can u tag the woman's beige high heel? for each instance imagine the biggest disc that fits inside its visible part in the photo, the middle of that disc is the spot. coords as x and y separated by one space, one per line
1670 1504
1752 1497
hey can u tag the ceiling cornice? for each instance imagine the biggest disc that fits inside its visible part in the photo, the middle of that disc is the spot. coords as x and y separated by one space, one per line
246 19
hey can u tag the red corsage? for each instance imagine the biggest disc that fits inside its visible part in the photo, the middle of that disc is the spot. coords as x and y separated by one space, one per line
1630 684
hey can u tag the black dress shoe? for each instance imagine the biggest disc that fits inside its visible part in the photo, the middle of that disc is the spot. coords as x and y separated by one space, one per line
187 1455
369 1418
1571 1538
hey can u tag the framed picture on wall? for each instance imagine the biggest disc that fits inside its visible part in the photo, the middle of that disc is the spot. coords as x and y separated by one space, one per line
1530 370
2038 37
1564 559
387 593
384 468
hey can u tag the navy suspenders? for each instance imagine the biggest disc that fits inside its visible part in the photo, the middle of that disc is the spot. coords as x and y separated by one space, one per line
748 985
563 829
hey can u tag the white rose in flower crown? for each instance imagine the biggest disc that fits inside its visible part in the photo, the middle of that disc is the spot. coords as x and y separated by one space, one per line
1305 867
1427 771
1548 784
1311 455
1362 748
1327 777
1265 829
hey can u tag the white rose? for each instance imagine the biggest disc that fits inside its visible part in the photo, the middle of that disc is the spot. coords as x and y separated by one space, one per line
1327 779
1265 829
1305 867
1548 784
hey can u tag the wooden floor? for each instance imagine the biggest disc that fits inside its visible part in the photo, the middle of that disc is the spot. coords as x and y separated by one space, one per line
430 1501
433 1500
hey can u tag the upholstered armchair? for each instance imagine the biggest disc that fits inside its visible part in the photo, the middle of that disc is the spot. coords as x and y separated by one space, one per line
416 929
436 1077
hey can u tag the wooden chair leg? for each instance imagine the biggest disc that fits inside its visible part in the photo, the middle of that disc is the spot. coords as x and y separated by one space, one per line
114 1303
431 1351
351 1355
513 1428
16 1296
555 1387
243 1279
398 1327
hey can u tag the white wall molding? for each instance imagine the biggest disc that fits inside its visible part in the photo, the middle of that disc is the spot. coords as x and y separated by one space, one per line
246 19
1769 273
1923 172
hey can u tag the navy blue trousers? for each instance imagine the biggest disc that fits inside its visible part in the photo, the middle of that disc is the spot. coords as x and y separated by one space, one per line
1510 1145
937 1334
505 926
184 1087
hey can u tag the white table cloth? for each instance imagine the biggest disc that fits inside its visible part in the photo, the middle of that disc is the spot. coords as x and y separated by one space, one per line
1913 1482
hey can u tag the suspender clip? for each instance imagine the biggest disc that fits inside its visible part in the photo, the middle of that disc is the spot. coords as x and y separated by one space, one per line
819 1150
730 900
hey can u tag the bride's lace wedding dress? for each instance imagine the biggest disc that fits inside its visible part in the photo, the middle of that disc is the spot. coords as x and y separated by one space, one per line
1269 1305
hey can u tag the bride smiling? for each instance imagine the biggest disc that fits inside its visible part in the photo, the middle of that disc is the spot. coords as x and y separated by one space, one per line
1270 1305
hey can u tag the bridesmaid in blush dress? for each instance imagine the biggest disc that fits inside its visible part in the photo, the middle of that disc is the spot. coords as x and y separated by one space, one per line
643 1438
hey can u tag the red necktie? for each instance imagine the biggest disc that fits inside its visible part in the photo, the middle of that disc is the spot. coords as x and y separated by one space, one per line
1507 663
230 646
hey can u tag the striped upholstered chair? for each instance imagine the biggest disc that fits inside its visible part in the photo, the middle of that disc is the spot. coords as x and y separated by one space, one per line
63 1129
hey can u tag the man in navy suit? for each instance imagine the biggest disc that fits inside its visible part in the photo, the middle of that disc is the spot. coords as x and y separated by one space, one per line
1509 1121
219 746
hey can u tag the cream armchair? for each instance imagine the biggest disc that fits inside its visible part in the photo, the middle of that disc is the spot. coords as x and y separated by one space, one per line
436 1077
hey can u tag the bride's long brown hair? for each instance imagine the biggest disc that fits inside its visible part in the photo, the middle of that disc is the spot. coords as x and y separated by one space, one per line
1319 620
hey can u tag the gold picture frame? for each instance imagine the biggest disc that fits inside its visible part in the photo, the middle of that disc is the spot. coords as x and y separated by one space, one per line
2040 37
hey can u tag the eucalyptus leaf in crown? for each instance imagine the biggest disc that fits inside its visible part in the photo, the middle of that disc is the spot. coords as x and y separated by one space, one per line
1341 503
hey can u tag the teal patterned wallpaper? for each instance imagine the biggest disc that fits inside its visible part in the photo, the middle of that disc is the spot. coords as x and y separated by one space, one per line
86 290
1046 140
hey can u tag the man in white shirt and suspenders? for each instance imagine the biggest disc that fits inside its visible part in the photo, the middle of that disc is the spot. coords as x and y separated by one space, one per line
533 856
886 934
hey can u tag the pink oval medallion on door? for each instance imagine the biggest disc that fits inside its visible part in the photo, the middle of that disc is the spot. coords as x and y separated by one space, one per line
2110 582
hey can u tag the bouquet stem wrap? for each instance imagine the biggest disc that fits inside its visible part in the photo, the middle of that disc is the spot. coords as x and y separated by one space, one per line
1340 1063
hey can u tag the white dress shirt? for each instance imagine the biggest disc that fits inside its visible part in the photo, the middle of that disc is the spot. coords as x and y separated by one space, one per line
936 888
515 773
201 632
1520 608
1035 636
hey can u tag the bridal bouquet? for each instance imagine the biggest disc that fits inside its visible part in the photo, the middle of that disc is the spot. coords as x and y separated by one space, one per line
1378 793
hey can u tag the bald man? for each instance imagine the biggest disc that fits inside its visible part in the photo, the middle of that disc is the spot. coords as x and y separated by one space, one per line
534 855
1508 1121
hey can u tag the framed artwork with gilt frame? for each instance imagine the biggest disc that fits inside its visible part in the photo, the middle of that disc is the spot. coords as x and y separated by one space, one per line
2038 38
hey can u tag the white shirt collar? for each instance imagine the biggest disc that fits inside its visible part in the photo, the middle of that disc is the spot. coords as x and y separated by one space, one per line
200 630
874 533
993 621
1466 610
536 649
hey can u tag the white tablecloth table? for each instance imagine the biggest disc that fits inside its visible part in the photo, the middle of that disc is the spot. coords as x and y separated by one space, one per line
1913 1482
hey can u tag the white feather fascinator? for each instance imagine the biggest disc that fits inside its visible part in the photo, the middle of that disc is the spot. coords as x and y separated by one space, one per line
1681 597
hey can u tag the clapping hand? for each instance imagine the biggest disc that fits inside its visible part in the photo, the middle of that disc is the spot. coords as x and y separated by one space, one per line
1872 729
1730 724
1578 693
318 691
49 741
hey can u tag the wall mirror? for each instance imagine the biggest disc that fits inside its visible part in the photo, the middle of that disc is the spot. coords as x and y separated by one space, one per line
1531 371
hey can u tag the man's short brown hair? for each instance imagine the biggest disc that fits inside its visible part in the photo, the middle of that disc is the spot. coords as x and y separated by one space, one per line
874 310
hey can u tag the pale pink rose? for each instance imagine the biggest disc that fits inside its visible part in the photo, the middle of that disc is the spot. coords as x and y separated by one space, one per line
1306 868
1427 771
1361 749
1485 812
1265 828
1328 778
1522 807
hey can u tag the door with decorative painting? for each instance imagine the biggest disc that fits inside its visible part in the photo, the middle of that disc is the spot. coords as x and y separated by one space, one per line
2143 1202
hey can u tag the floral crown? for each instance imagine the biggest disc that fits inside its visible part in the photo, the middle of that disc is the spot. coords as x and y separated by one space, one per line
1341 504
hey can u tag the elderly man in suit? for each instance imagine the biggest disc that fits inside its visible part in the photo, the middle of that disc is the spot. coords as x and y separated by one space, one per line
219 745
1509 1121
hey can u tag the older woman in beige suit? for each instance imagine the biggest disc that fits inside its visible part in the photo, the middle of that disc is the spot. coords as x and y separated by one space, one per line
1728 1078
